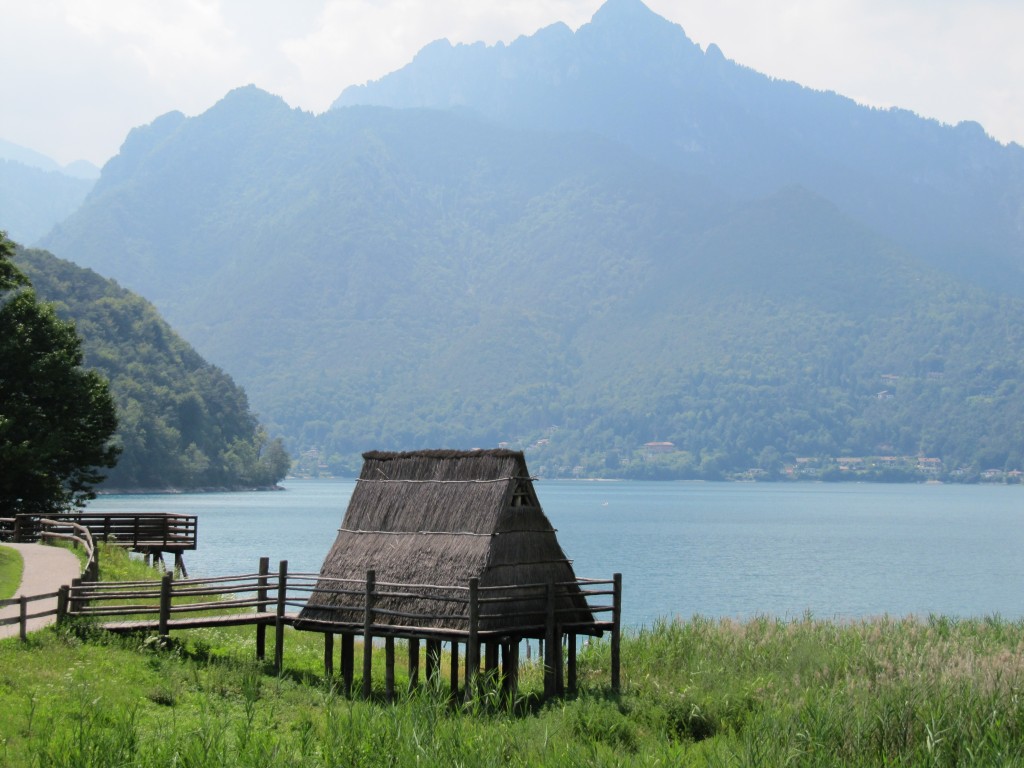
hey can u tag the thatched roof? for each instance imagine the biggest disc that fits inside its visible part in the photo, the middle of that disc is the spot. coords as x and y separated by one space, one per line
441 518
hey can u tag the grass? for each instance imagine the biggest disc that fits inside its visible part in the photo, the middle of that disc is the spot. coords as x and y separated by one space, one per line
883 692
11 567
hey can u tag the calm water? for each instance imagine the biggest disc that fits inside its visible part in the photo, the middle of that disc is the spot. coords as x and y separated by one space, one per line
716 549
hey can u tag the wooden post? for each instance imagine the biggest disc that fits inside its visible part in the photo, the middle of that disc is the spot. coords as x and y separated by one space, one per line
433 660
23 617
165 604
616 629
328 654
282 597
62 603
261 598
550 643
454 671
371 580
510 665
347 662
414 663
571 673
389 668
75 595
473 641
490 656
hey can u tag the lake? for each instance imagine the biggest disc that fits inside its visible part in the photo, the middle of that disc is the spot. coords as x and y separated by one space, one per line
684 548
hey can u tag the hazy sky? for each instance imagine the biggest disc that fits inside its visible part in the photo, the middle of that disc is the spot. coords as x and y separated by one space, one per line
77 75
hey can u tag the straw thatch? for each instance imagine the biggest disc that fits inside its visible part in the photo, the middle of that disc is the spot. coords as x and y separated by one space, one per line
441 518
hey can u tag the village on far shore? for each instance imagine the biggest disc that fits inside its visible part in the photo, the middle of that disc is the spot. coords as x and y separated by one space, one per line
663 460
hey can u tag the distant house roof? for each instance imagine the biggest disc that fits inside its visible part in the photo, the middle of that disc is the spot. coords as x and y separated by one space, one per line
442 518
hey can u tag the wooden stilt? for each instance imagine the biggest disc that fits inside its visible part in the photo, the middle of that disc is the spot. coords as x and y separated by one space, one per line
550 645
389 668
282 597
571 673
347 662
510 666
433 660
490 656
328 654
414 663
454 653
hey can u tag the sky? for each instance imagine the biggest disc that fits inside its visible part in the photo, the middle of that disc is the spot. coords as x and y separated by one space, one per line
77 75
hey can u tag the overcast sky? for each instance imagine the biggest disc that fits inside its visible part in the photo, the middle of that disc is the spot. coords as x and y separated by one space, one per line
77 75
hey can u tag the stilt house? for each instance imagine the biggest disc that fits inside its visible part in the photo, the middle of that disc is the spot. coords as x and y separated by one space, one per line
436 520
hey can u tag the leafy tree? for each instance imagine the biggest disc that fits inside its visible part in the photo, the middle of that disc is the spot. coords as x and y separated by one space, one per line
56 418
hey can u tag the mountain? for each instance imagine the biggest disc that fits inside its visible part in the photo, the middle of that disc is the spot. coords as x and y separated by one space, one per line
950 194
79 169
401 277
183 423
33 200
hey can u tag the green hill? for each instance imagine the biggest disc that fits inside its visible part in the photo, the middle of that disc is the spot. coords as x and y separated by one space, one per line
406 278
183 423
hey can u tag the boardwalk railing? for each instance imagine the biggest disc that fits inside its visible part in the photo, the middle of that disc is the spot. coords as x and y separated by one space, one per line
23 613
267 599
150 533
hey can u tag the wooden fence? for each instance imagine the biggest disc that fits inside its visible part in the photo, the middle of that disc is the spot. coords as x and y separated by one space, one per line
267 599
23 610
150 533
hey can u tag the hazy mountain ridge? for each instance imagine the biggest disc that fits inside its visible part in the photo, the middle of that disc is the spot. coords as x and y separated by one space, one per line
952 194
402 278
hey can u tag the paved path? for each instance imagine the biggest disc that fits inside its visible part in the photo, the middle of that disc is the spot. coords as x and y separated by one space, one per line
46 569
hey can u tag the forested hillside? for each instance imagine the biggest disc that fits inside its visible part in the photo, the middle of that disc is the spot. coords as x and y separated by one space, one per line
183 423
407 278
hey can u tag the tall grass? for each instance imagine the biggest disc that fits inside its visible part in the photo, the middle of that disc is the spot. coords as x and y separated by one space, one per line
881 692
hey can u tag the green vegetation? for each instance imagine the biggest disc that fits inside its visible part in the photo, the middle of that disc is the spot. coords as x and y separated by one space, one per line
701 692
57 417
402 279
11 567
879 692
183 423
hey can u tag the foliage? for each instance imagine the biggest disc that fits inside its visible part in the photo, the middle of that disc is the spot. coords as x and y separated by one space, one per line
403 279
56 417
880 692
183 423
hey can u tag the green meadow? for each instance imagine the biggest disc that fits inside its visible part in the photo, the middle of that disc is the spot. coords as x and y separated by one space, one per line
885 692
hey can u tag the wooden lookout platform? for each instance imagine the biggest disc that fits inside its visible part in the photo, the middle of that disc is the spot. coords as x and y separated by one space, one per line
150 533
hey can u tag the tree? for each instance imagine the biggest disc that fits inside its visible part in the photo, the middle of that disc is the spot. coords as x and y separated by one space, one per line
56 418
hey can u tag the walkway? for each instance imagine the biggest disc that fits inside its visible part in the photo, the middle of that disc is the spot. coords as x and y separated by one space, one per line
46 569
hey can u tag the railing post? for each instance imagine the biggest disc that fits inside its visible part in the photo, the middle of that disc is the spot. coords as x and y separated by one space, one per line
616 629
551 646
371 580
282 596
62 604
75 595
23 617
165 604
261 599
473 641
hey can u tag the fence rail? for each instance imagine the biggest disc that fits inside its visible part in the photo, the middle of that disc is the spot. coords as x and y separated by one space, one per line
141 531
276 599
23 615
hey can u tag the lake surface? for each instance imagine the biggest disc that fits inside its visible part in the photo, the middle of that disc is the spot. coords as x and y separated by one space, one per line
685 548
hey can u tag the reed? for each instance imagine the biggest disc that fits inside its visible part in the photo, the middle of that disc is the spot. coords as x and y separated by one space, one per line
885 691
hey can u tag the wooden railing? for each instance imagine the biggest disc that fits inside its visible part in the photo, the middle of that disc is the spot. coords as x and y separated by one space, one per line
264 598
140 531
23 615
79 535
